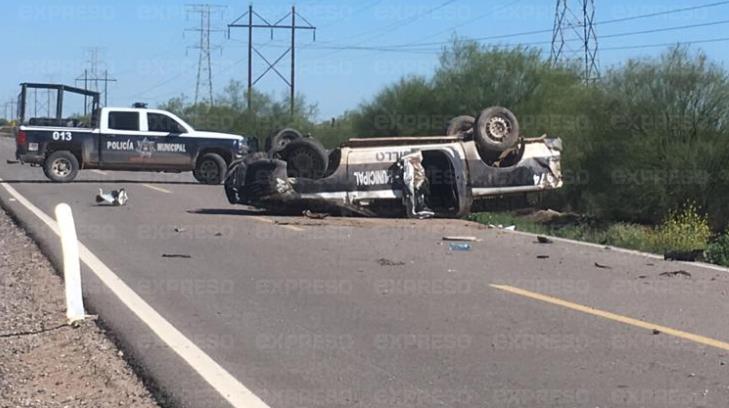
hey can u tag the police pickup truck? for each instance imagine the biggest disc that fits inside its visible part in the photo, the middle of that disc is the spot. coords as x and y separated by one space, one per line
130 139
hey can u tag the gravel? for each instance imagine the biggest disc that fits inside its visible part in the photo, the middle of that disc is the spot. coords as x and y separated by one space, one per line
43 362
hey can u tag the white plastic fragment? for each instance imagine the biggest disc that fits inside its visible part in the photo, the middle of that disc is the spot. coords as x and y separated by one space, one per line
114 197
71 265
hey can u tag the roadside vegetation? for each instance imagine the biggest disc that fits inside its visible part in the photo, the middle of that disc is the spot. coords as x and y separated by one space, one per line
645 145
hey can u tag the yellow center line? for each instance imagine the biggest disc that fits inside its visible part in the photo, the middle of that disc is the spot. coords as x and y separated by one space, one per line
615 317
155 188
270 221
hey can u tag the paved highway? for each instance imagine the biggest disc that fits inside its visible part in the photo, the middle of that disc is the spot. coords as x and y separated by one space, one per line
351 312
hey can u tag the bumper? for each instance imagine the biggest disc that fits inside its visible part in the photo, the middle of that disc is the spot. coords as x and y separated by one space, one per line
32 158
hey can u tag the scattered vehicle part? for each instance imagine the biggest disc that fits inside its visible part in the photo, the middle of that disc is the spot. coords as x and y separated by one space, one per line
510 228
542 256
459 246
367 176
116 198
314 216
601 266
544 240
684 256
136 139
388 262
179 229
460 238
675 274
183 256
12 161
655 332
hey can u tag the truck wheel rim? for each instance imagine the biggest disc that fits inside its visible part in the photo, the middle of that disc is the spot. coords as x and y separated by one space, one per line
61 167
209 170
498 127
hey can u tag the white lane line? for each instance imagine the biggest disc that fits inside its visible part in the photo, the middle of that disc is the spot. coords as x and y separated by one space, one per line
155 188
220 379
103 173
621 250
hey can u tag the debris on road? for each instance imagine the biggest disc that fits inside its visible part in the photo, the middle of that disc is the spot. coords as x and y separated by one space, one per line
601 266
684 256
12 161
315 216
542 256
460 238
656 332
388 262
501 227
544 240
675 274
116 198
459 247
179 229
184 256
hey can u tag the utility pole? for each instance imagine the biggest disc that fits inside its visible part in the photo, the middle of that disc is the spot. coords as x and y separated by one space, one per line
204 64
92 75
279 24
574 22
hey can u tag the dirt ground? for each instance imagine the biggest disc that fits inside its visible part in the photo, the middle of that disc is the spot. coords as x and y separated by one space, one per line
43 362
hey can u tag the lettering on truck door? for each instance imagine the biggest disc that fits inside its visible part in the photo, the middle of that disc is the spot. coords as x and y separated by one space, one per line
120 143
171 148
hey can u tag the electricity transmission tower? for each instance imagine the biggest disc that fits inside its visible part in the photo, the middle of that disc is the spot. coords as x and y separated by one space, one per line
92 75
204 64
574 39
279 24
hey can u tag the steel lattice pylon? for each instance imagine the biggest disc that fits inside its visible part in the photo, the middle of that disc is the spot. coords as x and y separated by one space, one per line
574 39
204 80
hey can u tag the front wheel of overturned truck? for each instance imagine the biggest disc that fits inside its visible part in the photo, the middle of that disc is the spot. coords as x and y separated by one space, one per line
61 166
210 169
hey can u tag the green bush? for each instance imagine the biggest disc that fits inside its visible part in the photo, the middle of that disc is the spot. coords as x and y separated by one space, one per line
718 251
683 230
630 236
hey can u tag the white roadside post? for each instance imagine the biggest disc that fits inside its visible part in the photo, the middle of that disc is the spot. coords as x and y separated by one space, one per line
71 264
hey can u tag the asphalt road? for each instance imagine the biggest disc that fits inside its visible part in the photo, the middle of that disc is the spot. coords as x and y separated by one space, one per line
348 312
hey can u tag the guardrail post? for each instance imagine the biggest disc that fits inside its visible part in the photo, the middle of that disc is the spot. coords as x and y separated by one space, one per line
71 264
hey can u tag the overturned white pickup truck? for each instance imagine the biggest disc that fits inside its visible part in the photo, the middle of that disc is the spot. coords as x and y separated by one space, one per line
434 175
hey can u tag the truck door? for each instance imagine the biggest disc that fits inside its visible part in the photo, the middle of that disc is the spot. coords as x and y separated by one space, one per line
171 148
120 142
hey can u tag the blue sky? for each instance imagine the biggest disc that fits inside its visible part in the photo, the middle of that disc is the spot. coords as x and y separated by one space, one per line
143 46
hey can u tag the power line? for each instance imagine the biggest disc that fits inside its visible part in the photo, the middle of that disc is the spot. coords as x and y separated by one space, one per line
551 30
659 45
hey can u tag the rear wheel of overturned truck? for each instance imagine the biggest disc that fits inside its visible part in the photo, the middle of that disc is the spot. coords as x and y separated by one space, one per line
305 158
496 131
210 169
61 166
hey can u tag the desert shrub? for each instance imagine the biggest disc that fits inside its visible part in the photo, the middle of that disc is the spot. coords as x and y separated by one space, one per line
630 236
718 251
683 230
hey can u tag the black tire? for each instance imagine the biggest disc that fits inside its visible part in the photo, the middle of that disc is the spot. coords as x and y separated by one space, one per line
497 130
61 166
278 141
210 169
460 124
305 158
